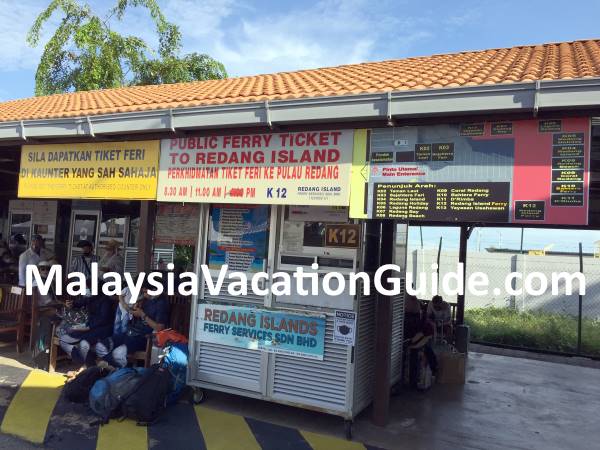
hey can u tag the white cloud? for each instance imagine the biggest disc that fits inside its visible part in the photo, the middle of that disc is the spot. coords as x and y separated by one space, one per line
326 33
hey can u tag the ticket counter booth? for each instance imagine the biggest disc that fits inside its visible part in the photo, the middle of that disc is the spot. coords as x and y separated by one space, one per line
333 371
278 202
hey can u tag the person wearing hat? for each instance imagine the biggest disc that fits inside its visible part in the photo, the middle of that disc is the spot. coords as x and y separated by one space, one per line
83 262
112 261
32 256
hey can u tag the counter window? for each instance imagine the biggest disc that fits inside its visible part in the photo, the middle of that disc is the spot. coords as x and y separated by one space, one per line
303 238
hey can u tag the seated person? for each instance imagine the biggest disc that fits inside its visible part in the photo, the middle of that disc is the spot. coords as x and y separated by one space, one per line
123 315
412 316
49 299
76 339
150 314
438 317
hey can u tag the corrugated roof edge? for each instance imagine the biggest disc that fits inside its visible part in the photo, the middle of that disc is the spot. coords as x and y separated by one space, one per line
472 100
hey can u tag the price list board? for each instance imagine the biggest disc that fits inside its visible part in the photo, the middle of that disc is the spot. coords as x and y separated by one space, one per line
568 169
451 202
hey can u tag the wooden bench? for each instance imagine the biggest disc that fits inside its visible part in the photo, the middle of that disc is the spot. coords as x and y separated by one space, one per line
179 320
12 313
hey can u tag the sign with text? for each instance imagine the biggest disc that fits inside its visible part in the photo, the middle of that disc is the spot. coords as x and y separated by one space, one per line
238 237
103 170
260 329
300 168
342 235
522 171
177 224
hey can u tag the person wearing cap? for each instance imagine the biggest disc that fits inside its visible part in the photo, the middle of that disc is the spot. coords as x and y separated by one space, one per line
50 298
83 262
32 256
112 261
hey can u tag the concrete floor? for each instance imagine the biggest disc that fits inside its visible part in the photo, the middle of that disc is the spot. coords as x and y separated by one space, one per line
507 403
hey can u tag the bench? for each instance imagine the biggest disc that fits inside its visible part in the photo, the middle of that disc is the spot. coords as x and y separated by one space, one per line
12 313
179 320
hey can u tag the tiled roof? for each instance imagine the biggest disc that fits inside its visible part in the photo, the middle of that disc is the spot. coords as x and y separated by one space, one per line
566 60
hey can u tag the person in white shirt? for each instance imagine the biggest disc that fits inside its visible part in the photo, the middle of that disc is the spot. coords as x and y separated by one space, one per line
31 256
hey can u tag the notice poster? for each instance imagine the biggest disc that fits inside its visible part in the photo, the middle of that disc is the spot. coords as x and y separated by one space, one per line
102 170
259 329
299 168
522 171
177 224
238 237
344 328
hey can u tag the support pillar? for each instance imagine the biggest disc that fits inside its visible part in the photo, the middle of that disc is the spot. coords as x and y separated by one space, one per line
145 235
383 331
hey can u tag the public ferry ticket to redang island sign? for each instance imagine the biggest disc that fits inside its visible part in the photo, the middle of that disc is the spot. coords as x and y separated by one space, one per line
300 168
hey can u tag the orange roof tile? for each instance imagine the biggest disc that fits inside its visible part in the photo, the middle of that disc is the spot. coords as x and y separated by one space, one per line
566 60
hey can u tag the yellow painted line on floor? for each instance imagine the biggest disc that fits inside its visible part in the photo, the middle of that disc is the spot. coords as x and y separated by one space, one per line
122 435
225 431
323 442
29 411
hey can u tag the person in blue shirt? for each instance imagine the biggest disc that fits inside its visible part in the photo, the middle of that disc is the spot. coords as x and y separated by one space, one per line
150 314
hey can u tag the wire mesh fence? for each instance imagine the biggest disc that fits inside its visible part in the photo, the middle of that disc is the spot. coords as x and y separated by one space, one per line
541 316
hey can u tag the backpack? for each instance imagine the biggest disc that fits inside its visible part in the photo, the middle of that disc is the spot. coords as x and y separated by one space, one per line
78 389
149 398
108 393
165 337
42 338
174 358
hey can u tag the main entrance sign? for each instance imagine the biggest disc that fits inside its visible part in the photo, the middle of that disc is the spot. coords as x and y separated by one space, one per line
301 168
526 171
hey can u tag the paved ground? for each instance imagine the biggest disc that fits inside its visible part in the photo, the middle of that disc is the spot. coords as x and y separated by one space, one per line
507 403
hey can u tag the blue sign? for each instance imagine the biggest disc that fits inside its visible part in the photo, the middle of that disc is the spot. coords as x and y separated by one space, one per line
238 237
260 329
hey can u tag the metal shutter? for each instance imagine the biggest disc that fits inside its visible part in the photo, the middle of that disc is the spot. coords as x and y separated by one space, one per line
321 384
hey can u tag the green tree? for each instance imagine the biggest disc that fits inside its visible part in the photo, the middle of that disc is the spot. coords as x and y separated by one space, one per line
84 53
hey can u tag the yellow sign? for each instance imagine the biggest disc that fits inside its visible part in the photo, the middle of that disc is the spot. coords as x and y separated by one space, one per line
292 168
360 175
103 170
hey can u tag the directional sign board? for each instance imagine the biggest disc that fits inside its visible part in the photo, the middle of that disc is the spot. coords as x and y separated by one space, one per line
526 171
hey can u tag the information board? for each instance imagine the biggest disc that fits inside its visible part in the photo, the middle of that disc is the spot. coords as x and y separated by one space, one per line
238 237
525 171
99 170
299 168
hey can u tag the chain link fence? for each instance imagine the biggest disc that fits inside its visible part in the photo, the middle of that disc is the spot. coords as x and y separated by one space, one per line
548 322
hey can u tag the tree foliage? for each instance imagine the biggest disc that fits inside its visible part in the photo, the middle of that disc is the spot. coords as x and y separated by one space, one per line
84 53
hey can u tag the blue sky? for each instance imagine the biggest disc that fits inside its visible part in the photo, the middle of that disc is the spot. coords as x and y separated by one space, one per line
252 37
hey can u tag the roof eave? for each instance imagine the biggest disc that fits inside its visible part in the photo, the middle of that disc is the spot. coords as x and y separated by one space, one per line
468 100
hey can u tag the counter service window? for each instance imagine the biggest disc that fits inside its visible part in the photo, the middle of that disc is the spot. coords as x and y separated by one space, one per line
317 234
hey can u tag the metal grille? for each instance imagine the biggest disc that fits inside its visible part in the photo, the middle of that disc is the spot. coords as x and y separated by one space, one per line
315 383
364 357
397 335
225 297
229 366
131 254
